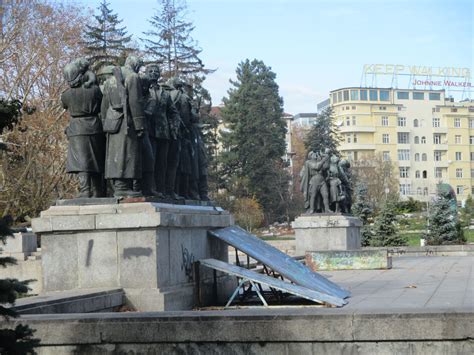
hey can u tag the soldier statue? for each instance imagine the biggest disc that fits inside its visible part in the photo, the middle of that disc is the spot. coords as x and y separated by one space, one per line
124 122
86 148
164 120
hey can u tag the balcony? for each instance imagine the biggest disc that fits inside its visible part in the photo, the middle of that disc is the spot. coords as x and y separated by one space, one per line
441 163
440 147
347 129
356 146
440 130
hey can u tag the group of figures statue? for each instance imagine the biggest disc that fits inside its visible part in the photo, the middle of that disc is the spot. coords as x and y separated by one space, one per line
326 183
141 137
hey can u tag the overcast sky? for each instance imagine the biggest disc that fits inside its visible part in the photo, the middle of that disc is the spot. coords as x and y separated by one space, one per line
317 46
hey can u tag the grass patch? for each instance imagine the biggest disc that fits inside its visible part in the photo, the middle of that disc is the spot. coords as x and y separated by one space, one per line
413 239
469 234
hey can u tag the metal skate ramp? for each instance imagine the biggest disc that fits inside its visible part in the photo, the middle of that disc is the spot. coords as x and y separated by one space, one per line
253 277
278 261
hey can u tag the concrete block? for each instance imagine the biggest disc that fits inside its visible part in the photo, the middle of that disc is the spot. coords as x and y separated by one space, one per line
163 257
61 211
97 259
59 262
128 221
73 223
41 225
137 258
326 232
20 243
98 209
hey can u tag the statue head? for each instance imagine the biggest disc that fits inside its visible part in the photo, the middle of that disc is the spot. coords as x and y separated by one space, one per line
345 164
134 63
73 73
175 82
153 72
146 82
334 158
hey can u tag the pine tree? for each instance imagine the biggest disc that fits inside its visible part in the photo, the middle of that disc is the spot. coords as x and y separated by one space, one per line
106 42
362 208
251 162
467 212
385 232
19 340
170 43
444 227
323 134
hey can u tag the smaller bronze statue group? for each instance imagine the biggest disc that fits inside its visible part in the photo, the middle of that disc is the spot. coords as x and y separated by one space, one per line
326 183
140 136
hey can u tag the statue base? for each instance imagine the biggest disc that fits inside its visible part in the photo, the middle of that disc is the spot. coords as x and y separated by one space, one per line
326 232
146 248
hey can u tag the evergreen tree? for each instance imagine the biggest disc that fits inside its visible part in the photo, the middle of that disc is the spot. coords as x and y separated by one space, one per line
251 162
467 212
444 227
323 134
170 43
9 114
362 208
19 340
106 42
385 232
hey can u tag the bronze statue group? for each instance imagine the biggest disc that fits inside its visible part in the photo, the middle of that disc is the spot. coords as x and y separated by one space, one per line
326 183
140 136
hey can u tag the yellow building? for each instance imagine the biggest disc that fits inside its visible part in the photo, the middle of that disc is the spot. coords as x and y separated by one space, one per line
429 136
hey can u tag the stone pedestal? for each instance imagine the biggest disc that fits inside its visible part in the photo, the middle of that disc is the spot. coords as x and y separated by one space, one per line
147 249
326 232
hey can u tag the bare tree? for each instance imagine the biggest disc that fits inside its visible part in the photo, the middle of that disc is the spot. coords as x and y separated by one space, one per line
38 39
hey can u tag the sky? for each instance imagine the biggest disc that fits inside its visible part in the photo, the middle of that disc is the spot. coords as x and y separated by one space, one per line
317 46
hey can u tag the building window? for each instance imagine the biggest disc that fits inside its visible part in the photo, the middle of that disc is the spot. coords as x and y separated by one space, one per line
418 191
458 156
384 120
415 123
459 173
472 156
418 96
373 95
438 172
384 95
459 190
354 95
437 155
404 172
471 139
346 95
385 138
405 189
435 96
404 154
417 174
436 122
417 156
471 123
353 120
348 121
355 138
402 121
353 107
423 140
348 138
363 95
348 108
417 140
383 108
339 96
386 156
425 191
454 109
403 138
436 138
402 95
472 173
424 157
457 139
334 98
425 174
457 123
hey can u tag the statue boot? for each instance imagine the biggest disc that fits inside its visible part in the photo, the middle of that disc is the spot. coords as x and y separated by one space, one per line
96 188
203 188
148 185
193 190
170 184
124 188
84 185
